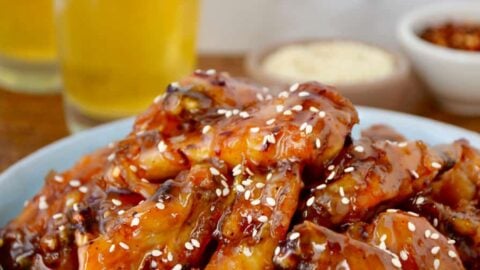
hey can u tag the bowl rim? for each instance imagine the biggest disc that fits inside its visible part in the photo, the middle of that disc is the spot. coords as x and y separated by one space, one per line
254 58
445 12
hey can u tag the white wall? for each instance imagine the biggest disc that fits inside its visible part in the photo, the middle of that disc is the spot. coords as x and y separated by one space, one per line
233 26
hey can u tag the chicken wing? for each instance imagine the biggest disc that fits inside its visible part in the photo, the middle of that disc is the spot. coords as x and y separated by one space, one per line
369 177
258 219
173 227
392 241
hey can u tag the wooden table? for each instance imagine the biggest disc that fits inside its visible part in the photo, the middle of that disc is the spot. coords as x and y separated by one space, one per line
28 122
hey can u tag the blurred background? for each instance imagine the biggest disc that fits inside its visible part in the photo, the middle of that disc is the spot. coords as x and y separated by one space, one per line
68 65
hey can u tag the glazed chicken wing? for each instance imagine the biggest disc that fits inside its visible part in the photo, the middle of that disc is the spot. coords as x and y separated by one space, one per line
452 203
369 176
392 241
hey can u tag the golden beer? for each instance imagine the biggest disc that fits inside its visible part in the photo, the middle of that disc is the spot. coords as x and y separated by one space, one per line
117 55
27 45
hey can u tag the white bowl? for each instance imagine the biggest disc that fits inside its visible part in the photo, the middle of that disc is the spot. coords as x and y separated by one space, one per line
452 75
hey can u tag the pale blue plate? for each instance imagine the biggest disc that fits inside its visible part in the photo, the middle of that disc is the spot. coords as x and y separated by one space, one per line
22 180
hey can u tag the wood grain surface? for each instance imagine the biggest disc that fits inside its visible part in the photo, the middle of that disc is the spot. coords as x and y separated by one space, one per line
29 122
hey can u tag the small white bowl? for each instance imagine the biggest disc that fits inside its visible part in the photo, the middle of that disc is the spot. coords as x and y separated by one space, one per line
452 75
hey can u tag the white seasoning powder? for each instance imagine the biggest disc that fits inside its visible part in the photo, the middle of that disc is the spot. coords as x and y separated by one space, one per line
330 62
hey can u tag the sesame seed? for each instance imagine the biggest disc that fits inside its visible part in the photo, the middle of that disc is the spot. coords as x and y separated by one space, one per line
247 252
270 201
383 237
341 192
283 94
58 178
255 202
452 254
195 243
279 108
287 112
297 108
428 233
310 201
451 241
277 251
318 143
411 226
112 248
177 267
116 202
121 212
420 200
414 174
308 129
61 228
359 149
396 262
156 253
413 214
57 216
161 146
294 87
210 72
322 114
247 182
42 203
260 97
153 264
135 222
111 157
247 195
331 175
269 176
244 114
349 169
124 246
303 94
392 210
225 191
402 144
206 129
262 219
435 250
235 111
83 189
259 185
436 264
404 255
271 121
436 165
254 129
294 236
331 167
249 219
240 188
160 205
169 256
76 183
214 171
345 200
189 246
321 186
435 236
435 222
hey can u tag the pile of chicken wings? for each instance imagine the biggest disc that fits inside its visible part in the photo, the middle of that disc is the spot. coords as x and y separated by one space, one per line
222 174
